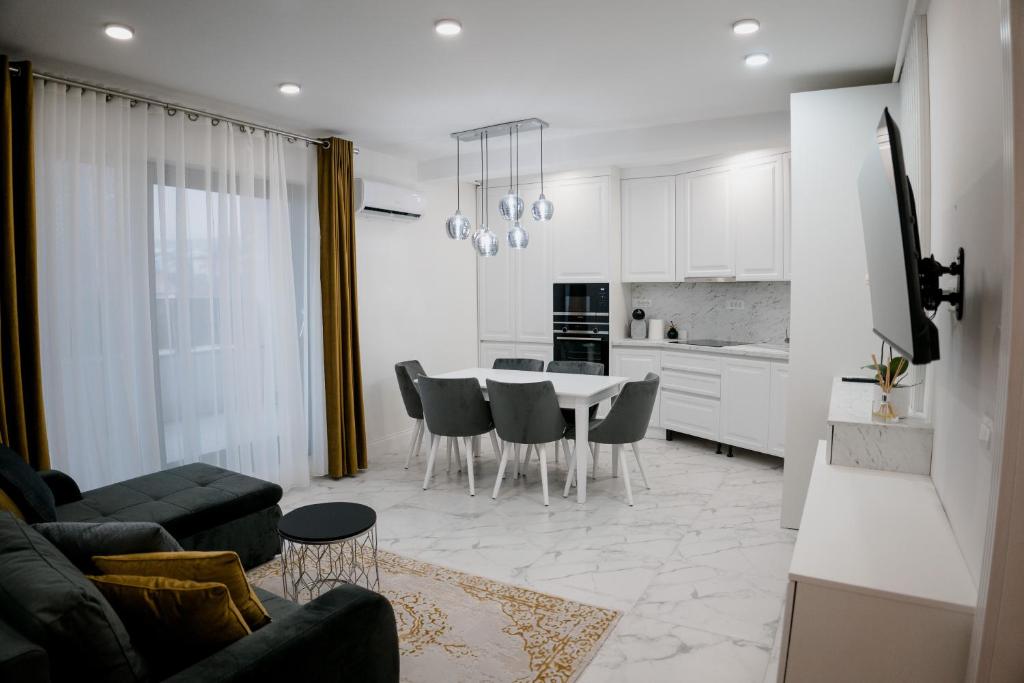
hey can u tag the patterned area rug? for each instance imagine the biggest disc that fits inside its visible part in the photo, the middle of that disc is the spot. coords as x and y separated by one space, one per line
454 626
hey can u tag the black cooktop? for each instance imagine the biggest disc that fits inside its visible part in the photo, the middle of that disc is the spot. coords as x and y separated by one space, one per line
717 343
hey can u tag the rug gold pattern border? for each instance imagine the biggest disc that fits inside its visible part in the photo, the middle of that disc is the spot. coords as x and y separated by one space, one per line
559 636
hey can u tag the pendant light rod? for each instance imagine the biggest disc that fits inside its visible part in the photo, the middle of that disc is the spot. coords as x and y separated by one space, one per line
526 125
458 176
517 158
510 159
542 161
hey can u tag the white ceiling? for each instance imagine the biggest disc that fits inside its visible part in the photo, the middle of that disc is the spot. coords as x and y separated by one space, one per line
376 71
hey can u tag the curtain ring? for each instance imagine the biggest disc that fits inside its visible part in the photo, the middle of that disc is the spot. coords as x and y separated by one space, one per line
326 144
214 122
108 97
171 111
133 103
290 138
192 117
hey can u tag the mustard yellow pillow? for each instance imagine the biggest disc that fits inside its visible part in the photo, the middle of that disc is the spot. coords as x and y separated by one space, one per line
9 505
173 622
193 565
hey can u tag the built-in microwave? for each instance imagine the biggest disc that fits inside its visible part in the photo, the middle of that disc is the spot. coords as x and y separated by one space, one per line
581 322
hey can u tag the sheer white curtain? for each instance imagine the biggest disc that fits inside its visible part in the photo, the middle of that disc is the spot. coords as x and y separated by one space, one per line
178 270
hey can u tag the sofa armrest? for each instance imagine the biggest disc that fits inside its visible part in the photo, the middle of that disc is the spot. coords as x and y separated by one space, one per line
20 658
346 634
63 487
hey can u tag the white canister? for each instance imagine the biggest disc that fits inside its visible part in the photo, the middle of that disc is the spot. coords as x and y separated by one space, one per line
655 329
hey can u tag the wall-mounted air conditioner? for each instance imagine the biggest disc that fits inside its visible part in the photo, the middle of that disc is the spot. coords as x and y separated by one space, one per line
374 198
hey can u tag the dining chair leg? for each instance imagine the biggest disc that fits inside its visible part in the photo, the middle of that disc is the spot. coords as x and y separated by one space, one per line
530 449
434 440
543 457
501 468
469 465
476 446
571 474
419 442
565 449
595 448
417 430
515 465
640 465
449 452
494 444
615 462
617 455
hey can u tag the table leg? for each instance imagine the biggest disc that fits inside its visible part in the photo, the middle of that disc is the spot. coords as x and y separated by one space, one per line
582 449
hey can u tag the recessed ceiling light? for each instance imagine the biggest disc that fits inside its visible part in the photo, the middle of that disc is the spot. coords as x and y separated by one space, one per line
744 27
447 27
290 88
119 31
756 59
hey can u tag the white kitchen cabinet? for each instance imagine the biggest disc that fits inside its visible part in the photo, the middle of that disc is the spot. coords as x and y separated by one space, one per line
787 218
649 229
541 352
697 415
580 230
756 219
635 363
746 396
532 277
491 351
777 420
704 239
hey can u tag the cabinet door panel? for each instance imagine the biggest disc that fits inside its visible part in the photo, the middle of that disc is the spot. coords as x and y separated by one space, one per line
541 352
579 230
746 393
777 426
690 414
756 213
704 241
495 302
649 229
490 351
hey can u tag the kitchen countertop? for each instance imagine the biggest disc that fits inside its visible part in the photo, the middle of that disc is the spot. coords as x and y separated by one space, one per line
768 351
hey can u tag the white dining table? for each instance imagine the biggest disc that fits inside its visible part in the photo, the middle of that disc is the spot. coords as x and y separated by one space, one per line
577 392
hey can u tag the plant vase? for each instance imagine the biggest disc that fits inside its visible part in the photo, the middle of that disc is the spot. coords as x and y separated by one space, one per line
891 405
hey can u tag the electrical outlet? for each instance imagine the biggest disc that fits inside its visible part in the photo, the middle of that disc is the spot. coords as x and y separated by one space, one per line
734 304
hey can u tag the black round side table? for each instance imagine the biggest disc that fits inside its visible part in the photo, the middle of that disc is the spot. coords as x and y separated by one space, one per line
325 544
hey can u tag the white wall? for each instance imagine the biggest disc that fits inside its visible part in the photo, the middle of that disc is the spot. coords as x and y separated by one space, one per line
830 307
417 295
968 184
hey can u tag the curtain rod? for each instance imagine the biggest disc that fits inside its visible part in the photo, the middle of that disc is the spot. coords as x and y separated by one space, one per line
171 106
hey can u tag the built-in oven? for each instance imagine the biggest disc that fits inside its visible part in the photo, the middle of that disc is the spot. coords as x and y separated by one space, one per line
581 322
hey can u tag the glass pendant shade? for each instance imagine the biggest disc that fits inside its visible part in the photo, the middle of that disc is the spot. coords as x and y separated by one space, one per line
485 241
458 226
510 207
517 236
543 209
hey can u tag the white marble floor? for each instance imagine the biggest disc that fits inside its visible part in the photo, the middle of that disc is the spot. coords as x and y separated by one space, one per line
698 565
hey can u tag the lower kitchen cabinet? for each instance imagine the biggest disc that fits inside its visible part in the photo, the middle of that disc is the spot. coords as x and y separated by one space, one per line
746 410
491 351
777 423
635 364
697 415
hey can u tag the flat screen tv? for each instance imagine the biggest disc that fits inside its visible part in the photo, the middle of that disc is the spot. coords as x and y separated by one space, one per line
893 247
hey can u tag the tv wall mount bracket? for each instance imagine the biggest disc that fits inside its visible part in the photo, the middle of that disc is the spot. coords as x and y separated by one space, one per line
932 294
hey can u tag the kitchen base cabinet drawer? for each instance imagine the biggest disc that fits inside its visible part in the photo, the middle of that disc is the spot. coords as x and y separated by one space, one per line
699 383
697 415
687 361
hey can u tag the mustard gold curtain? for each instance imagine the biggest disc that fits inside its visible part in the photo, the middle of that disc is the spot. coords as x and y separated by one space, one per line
346 426
22 421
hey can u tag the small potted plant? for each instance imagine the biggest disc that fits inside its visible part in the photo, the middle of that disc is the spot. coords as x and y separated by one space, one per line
892 398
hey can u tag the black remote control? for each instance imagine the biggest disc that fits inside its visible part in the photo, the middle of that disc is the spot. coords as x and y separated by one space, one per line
861 380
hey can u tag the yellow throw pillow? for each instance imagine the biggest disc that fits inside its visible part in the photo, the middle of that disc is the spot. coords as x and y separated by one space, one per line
187 618
194 565
9 505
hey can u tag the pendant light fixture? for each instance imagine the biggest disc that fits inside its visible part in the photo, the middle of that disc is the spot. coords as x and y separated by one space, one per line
517 236
485 241
457 225
510 207
542 209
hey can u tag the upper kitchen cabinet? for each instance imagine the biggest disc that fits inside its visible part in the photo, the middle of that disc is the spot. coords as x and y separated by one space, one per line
756 217
787 218
649 229
580 230
704 239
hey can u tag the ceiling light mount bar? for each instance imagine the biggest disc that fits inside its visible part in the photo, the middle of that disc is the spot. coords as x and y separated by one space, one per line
494 130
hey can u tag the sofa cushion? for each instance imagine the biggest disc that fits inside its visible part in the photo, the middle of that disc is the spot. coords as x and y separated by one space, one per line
19 481
184 500
51 603
80 541
174 623
210 566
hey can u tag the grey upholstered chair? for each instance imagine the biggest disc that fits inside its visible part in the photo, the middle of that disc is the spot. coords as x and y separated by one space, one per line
455 408
528 364
626 423
525 414
407 372
574 367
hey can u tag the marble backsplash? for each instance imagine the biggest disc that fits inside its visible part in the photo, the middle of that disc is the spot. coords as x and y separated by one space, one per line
760 311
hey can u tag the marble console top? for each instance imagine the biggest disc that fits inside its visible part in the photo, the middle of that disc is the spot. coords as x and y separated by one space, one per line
851 404
768 351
